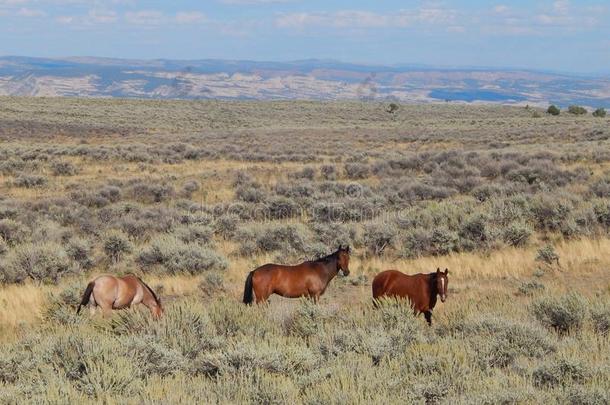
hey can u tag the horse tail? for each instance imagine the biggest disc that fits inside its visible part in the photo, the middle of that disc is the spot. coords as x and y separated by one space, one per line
249 289
86 296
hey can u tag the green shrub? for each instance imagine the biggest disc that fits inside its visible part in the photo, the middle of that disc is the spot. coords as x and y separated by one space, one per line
286 239
46 262
601 318
517 234
189 188
307 320
553 110
63 168
584 395
443 241
329 172
530 287
378 237
577 110
116 244
499 342
356 171
81 251
560 372
176 257
29 180
564 314
212 284
226 226
194 234
547 254
600 113
12 232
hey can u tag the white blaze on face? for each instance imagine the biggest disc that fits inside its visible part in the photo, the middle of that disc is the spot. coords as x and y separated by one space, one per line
442 288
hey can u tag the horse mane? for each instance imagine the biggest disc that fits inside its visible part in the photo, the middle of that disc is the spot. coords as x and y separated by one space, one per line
327 258
150 290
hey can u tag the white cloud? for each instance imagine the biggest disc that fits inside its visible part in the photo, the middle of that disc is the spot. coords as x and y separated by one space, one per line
102 16
30 13
561 7
254 2
65 19
155 18
189 17
501 9
145 17
366 19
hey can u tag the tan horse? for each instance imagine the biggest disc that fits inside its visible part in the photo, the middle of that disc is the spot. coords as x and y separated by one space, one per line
110 292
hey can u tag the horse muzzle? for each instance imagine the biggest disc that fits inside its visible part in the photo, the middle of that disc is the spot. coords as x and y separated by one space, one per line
443 298
344 272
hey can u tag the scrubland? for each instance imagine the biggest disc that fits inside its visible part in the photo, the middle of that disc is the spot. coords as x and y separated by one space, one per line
193 195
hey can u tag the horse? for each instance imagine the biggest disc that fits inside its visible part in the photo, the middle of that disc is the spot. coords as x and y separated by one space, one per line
308 279
110 292
420 289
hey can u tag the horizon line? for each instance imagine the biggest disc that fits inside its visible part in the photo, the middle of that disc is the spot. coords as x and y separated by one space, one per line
397 65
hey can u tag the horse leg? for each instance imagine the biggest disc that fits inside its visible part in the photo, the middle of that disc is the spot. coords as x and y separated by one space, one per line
92 305
428 315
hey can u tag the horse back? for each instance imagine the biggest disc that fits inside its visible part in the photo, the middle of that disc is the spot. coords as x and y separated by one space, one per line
288 281
393 283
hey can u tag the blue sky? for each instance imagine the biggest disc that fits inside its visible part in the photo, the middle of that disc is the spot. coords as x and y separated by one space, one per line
561 35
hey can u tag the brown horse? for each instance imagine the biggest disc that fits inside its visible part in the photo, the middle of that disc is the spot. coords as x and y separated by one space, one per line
308 279
420 289
110 292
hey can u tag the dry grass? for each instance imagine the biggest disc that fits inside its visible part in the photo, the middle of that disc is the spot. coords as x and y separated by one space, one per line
125 144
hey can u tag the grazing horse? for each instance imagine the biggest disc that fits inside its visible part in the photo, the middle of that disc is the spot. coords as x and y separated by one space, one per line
308 279
421 289
110 292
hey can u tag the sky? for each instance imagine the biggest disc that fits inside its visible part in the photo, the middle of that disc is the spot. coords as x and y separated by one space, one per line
558 35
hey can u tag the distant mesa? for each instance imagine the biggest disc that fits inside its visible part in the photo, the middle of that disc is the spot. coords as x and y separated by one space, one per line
307 79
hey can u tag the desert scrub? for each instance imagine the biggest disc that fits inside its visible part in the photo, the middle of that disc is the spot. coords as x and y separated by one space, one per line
116 245
600 315
12 232
499 342
530 287
26 180
80 250
3 246
517 234
547 254
171 255
287 239
564 314
63 168
561 371
306 320
46 262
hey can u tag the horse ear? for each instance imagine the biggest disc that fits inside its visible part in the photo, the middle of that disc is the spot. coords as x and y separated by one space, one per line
347 248
446 271
438 270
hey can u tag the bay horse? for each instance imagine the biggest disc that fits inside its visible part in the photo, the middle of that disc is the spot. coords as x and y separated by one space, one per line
420 289
308 279
110 292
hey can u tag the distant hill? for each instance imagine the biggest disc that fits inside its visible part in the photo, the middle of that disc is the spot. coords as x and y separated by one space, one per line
308 79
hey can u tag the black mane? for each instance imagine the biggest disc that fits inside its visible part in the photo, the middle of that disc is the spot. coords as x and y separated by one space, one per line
327 258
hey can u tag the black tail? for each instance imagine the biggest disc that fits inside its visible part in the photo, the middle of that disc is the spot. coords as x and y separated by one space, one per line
248 291
86 296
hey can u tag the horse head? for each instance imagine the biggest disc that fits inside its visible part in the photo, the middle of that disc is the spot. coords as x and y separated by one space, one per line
157 310
441 283
343 259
